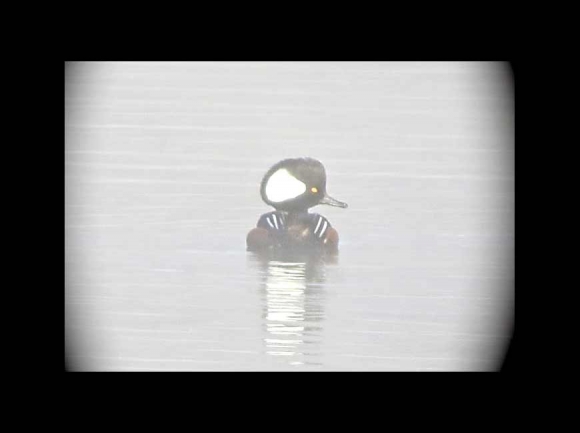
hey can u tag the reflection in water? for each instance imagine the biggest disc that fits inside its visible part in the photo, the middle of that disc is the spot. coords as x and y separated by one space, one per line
292 292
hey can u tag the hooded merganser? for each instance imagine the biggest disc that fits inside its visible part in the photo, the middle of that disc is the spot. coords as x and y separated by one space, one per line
292 186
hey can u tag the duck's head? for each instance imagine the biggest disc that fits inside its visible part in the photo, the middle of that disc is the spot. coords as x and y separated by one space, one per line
296 184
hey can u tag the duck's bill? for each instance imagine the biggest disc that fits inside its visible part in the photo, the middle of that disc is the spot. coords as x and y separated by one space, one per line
333 202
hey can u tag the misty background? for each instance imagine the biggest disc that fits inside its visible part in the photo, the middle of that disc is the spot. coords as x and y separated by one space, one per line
163 163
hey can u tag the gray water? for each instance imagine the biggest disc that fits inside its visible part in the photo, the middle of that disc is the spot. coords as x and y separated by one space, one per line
163 165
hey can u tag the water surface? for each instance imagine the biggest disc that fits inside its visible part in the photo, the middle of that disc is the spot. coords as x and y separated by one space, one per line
163 165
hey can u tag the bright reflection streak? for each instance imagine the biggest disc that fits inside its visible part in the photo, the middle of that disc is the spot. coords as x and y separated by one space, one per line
285 299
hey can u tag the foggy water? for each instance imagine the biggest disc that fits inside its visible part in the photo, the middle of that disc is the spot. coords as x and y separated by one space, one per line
163 166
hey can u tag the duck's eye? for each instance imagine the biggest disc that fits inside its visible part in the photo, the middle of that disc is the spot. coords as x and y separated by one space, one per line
314 190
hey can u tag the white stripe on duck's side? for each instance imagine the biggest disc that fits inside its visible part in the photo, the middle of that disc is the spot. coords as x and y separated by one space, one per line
323 229
318 224
322 224
275 221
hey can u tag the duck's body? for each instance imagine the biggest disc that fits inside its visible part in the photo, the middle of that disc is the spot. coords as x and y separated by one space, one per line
292 186
293 231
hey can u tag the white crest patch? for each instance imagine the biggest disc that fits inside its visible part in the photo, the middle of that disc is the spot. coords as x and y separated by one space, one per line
283 186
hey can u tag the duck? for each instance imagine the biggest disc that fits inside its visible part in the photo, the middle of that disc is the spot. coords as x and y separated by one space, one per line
293 186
